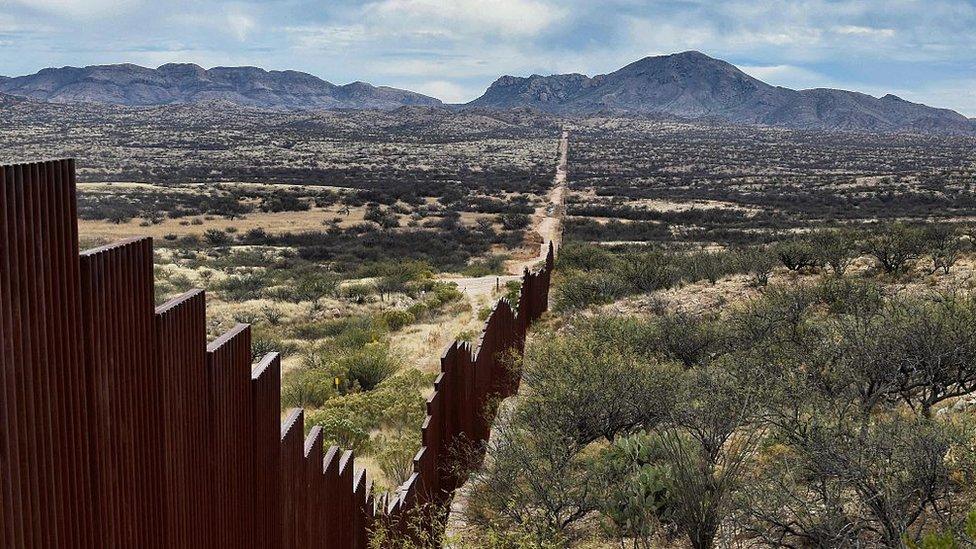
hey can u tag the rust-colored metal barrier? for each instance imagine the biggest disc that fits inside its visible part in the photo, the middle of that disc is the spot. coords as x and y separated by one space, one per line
122 427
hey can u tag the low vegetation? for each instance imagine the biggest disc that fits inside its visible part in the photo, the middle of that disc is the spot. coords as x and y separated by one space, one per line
829 406
814 415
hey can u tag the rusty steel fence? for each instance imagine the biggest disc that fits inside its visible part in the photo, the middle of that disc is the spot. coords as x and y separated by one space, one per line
123 427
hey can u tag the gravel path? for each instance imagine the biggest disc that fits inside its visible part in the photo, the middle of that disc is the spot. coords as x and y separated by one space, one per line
548 225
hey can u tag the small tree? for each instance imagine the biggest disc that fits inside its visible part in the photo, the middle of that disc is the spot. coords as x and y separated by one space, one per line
894 246
835 249
943 245
687 339
705 447
315 286
216 237
796 254
759 263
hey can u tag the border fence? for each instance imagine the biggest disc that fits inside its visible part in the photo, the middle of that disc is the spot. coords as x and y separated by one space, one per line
122 426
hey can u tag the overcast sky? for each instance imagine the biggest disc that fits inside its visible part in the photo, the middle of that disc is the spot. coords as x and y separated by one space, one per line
453 49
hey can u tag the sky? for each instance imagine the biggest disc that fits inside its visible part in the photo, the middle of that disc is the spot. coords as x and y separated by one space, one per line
921 50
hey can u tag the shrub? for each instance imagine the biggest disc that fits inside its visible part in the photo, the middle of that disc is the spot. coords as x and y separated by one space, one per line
395 455
216 237
343 430
492 265
759 263
796 254
273 315
513 290
686 339
514 221
895 245
384 218
396 319
484 313
943 245
242 287
446 292
315 286
359 292
305 388
418 310
579 290
585 257
646 272
710 266
835 249
262 344
367 367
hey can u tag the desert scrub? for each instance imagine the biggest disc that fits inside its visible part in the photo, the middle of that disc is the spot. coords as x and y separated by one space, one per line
384 422
366 367
350 328
483 267
243 287
264 342
578 290
397 319
359 292
592 275
306 388
432 296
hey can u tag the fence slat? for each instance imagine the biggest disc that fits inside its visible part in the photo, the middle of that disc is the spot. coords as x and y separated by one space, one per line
123 428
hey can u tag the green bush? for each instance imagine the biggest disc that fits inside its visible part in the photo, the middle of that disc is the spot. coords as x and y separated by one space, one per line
398 319
306 388
446 293
514 221
396 404
895 246
394 454
484 313
359 292
759 263
705 265
242 287
492 265
315 286
835 249
367 367
646 272
419 310
216 237
344 430
579 290
585 257
796 254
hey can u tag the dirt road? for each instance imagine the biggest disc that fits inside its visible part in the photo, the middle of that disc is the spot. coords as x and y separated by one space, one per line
547 223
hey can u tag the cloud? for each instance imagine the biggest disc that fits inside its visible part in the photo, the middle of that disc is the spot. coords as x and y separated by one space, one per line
456 48
448 92
956 94
80 8
789 76
499 17
864 31
240 25
331 37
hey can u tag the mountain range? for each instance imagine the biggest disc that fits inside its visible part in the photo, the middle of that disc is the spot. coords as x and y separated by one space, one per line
688 85
694 85
136 86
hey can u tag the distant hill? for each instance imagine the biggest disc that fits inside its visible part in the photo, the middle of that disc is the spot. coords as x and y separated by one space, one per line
132 85
694 85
